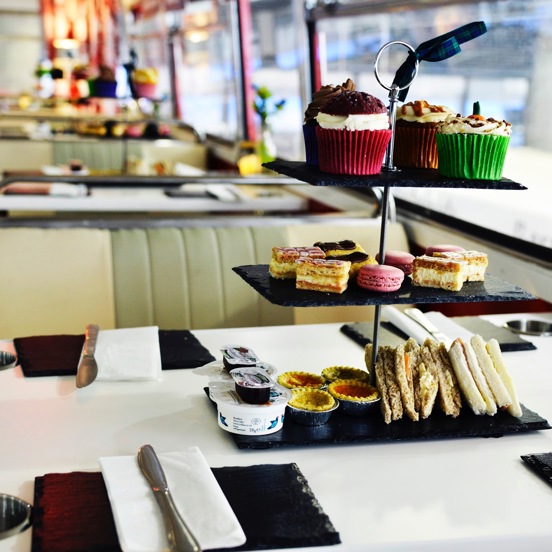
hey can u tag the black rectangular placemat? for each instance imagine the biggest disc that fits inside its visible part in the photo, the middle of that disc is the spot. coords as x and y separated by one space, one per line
362 333
273 503
58 355
342 429
283 292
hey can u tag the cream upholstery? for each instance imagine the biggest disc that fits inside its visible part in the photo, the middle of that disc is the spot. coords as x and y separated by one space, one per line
57 280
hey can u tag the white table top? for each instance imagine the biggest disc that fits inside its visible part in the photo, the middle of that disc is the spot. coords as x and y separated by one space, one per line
454 494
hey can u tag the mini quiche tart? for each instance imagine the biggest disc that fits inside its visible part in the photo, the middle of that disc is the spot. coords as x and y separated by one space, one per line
334 373
353 390
314 400
295 379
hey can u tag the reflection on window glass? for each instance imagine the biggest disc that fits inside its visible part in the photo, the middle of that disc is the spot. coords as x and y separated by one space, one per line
503 69
208 73
278 58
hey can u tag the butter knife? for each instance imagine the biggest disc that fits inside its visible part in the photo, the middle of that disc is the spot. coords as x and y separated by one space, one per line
418 316
180 537
87 369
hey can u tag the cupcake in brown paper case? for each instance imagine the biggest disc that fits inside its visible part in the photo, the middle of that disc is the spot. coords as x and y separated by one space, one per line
415 127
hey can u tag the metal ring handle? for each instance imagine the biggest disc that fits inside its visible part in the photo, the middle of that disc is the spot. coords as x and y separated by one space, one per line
381 50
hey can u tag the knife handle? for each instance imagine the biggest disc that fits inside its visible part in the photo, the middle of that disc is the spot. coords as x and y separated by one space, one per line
180 537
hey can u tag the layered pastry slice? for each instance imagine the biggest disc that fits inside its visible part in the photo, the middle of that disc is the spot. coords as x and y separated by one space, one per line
477 263
322 275
438 272
283 261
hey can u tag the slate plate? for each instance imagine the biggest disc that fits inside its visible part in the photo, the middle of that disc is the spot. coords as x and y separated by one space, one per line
342 429
362 333
541 464
283 292
405 178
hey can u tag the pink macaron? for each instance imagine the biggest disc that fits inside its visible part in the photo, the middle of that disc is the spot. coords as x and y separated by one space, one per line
442 248
398 259
383 278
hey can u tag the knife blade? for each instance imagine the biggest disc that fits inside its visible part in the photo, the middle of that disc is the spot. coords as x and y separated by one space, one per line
418 316
179 536
87 369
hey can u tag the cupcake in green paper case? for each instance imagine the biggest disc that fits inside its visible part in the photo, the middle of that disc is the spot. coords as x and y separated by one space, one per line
472 147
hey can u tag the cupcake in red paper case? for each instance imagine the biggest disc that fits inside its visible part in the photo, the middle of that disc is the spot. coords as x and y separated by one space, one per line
415 127
353 134
472 147
319 100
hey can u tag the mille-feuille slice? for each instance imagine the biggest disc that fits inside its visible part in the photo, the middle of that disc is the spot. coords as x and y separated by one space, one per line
283 261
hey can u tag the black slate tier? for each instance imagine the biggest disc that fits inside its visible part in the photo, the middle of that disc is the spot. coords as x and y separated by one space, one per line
283 292
342 429
404 178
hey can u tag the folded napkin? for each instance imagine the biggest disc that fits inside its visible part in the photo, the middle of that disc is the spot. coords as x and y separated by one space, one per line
58 355
541 464
412 329
128 354
195 491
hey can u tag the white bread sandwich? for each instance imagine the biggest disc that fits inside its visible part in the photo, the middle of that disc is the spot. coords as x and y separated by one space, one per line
466 381
499 390
493 348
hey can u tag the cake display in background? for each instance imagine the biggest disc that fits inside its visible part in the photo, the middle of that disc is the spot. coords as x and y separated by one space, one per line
105 85
145 82
472 147
353 134
416 123
319 100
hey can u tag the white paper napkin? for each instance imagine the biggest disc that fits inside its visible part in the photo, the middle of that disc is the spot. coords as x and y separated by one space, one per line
128 354
195 491
411 328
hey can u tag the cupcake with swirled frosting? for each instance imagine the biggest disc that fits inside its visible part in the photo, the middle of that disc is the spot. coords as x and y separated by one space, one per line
353 134
472 147
319 100
415 127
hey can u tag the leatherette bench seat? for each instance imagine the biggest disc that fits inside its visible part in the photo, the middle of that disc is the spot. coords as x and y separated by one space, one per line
56 280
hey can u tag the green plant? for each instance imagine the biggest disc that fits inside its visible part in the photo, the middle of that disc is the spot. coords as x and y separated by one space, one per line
264 104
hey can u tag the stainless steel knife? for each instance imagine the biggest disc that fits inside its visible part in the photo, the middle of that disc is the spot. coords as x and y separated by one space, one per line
87 369
418 316
179 536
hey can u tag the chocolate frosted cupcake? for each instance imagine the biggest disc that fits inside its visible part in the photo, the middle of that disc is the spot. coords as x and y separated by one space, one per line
319 100
353 134
415 129
472 147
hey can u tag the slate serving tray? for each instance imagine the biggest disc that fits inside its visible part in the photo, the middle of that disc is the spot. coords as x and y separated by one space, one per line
362 333
283 292
344 430
405 178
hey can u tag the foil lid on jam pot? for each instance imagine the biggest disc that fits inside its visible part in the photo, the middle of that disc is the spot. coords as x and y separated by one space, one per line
252 384
237 356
